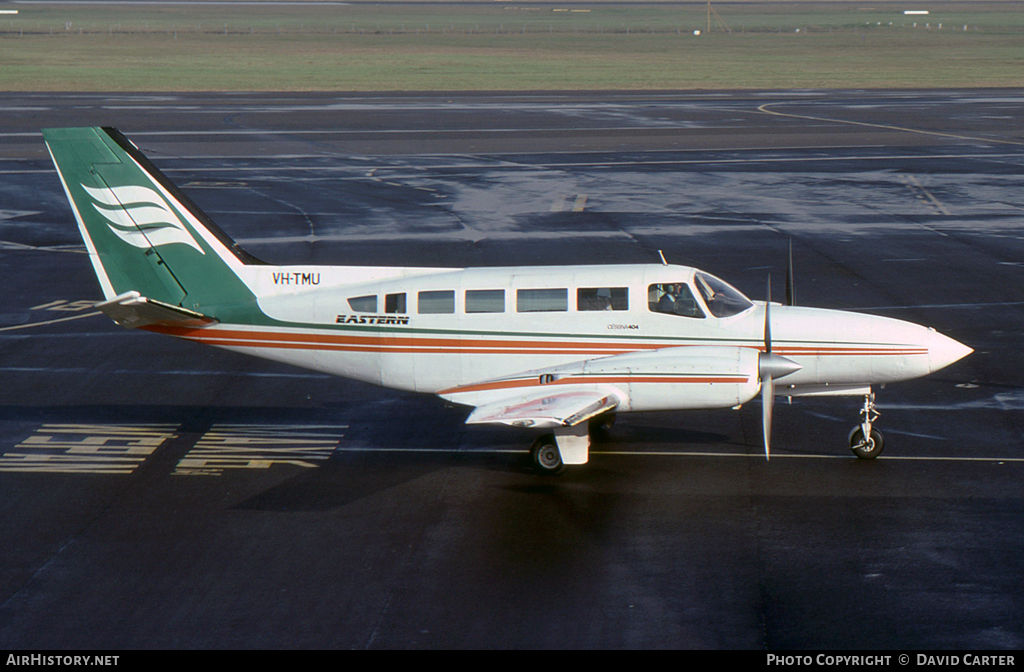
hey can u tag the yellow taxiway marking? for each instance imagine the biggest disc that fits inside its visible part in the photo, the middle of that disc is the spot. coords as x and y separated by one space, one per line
578 204
889 127
65 306
228 446
915 186
87 448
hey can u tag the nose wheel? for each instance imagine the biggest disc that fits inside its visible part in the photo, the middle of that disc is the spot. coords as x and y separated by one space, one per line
866 442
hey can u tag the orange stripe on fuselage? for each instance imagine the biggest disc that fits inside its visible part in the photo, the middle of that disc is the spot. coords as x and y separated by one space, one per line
359 343
468 345
597 380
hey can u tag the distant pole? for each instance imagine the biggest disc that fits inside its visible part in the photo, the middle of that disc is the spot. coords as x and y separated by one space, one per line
718 18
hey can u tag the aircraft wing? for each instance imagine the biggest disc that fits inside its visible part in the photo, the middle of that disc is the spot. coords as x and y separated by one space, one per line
546 408
691 377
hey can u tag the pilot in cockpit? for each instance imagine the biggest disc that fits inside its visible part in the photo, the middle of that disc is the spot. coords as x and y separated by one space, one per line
675 299
667 302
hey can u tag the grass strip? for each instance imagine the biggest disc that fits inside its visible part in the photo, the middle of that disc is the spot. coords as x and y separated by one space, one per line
446 47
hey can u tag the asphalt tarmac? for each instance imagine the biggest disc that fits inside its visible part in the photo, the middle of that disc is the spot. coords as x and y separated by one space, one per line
159 494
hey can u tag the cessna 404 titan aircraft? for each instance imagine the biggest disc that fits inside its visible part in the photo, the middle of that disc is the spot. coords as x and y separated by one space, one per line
559 349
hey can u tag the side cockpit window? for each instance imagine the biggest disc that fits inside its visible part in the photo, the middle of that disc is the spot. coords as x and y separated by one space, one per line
674 298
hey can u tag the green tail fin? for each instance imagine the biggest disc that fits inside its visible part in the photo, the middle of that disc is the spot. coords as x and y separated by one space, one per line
142 233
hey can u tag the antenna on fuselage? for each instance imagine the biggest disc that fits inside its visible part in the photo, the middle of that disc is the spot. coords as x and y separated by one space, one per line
663 262
790 291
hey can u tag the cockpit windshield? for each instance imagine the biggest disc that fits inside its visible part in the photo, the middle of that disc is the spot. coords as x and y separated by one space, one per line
722 299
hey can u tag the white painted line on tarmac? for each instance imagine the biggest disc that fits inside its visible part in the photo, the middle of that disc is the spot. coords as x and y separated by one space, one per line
382 131
888 127
42 324
793 456
943 305
138 372
482 165
684 453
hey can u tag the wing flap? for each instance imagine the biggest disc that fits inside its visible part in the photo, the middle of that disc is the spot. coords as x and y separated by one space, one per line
544 408
133 310
824 390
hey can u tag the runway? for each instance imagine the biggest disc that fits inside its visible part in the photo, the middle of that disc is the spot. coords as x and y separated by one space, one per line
158 494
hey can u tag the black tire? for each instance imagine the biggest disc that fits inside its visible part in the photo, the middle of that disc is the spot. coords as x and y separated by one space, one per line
545 456
866 450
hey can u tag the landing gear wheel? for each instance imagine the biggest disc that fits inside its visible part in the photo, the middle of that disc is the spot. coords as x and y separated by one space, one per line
547 459
866 449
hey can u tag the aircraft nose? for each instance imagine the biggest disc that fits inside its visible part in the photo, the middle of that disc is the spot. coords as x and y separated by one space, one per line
943 351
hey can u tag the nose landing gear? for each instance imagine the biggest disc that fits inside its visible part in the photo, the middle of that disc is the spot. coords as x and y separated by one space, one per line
866 442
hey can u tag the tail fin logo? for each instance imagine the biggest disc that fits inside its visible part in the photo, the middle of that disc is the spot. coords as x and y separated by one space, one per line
140 217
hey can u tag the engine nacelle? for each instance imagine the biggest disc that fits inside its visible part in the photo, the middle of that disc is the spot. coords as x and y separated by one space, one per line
697 377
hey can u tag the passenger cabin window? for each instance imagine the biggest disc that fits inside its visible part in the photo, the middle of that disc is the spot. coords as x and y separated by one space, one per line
542 300
364 304
394 303
721 298
673 298
485 300
602 298
436 302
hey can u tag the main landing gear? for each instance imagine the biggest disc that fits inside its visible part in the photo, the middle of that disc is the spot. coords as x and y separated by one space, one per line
866 442
545 456
550 453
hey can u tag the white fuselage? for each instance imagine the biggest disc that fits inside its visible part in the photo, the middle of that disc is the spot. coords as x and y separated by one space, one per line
446 331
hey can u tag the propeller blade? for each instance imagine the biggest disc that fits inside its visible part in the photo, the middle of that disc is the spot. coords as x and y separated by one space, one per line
790 292
767 403
767 387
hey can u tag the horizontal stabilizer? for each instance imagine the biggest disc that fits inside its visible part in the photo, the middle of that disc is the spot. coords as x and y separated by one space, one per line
545 409
133 310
